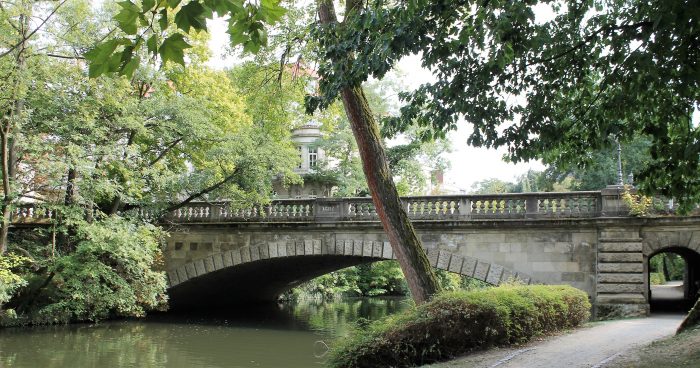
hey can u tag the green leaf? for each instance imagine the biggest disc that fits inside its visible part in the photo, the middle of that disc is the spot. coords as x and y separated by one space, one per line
127 17
99 57
271 10
172 49
238 33
191 15
148 4
152 44
222 7
130 67
163 20
251 46
173 3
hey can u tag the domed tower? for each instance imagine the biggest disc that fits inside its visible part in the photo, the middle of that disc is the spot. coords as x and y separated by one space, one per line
311 155
305 138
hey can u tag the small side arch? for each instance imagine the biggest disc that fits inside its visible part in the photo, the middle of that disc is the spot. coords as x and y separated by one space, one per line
663 297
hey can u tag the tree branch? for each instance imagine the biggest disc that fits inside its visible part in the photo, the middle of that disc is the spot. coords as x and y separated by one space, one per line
34 31
202 192
604 29
165 151
66 57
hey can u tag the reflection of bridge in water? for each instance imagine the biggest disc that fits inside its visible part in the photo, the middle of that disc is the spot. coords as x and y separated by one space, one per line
220 255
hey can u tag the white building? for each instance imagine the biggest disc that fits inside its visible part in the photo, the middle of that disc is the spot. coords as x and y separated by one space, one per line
311 155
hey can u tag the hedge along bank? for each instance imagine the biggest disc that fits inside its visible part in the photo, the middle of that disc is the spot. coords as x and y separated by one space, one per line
456 323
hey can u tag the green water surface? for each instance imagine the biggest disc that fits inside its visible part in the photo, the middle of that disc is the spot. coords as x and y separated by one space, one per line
281 336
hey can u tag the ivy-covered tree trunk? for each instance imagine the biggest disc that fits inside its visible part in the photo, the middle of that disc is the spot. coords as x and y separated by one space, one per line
7 144
409 252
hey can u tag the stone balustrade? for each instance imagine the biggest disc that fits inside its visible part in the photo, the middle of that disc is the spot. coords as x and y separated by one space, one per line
447 207
31 213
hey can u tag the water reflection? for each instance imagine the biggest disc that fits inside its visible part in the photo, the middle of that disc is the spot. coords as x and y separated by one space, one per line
278 336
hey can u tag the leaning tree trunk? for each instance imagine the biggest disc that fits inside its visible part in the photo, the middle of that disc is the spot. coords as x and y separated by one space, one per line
407 247
692 319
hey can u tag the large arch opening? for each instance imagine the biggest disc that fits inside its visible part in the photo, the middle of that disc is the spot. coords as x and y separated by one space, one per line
259 274
673 279
254 283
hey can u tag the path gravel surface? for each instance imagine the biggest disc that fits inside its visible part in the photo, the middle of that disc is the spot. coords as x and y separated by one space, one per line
593 346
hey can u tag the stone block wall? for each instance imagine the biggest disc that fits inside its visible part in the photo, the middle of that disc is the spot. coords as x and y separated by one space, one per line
621 285
607 258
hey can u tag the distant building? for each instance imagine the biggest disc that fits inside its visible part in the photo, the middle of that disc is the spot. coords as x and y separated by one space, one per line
311 155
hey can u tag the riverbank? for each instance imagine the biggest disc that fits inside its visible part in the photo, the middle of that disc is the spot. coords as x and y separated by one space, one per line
594 345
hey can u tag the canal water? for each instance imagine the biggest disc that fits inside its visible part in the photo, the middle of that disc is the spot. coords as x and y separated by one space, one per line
280 336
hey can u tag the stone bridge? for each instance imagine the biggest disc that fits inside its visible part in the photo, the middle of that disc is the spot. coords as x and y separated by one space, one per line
221 255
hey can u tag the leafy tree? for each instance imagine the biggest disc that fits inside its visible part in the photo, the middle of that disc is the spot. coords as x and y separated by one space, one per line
594 72
407 246
600 168
16 33
671 265
98 152
492 186
408 161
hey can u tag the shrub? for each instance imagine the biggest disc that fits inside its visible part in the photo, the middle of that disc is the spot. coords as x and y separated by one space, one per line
111 273
657 278
638 204
455 323
10 281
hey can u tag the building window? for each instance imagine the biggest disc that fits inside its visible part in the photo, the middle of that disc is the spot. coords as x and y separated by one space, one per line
301 160
313 157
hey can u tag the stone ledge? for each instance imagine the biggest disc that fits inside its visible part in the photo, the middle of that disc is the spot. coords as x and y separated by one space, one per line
621 278
621 257
619 288
620 267
619 240
620 246
621 298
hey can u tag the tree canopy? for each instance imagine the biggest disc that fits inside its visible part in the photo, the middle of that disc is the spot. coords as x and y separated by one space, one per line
552 87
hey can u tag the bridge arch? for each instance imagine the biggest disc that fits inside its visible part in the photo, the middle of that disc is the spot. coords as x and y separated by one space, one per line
671 296
262 272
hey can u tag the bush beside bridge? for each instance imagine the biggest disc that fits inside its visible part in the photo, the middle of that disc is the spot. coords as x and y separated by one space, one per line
459 322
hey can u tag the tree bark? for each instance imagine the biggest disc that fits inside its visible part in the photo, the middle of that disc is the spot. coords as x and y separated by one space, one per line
692 319
407 247
665 267
8 149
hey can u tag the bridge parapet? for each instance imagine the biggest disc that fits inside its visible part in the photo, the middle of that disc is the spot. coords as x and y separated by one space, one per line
448 207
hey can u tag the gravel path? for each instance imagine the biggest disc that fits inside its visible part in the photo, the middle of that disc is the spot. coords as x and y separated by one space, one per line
593 346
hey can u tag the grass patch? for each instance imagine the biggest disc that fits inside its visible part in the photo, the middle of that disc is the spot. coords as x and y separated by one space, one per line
679 351
459 322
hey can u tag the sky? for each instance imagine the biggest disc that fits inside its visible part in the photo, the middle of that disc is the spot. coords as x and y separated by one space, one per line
468 164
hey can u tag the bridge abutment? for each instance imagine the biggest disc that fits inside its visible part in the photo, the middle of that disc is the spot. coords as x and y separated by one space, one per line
620 282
